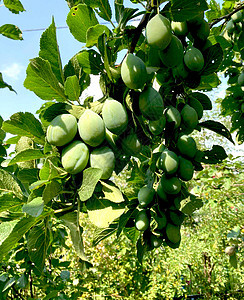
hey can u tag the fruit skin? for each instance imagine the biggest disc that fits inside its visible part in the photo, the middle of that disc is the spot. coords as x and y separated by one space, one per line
103 158
193 59
240 79
155 241
168 162
173 115
114 116
196 104
173 54
187 146
133 72
75 157
237 17
158 32
91 128
186 169
145 196
131 145
173 233
141 220
179 28
171 185
189 116
151 104
62 130
161 221
161 193
157 127
230 26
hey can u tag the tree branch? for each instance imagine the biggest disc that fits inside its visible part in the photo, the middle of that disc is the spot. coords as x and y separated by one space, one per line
226 17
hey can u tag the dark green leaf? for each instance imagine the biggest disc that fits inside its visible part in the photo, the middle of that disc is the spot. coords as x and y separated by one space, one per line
9 185
72 88
50 110
123 220
52 189
214 156
208 82
217 128
93 34
190 204
240 41
90 61
9 200
34 208
42 81
22 281
49 51
79 19
8 284
213 57
141 250
233 261
26 155
11 31
90 179
104 9
28 175
3 152
15 6
203 99
183 10
3 84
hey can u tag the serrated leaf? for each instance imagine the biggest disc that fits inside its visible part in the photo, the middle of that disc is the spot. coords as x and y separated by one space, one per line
94 32
101 234
90 61
26 155
218 128
214 156
3 84
42 81
70 220
112 192
11 31
79 19
9 185
9 200
90 179
37 244
15 6
72 88
103 212
190 204
49 51
34 208
183 10
213 57
51 190
103 6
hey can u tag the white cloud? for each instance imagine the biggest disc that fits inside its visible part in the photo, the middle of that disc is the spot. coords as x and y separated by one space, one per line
13 71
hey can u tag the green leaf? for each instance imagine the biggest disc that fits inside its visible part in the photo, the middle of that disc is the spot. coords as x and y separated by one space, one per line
131 233
190 204
204 99
79 19
103 6
90 61
17 233
72 88
6 228
22 281
9 185
49 51
208 82
213 57
111 192
42 81
8 284
141 250
233 261
103 212
26 155
9 200
70 220
34 208
28 175
101 234
3 84
103 48
11 31
93 34
37 244
240 41
90 179
214 156
15 6
25 124
218 128
52 189
183 10
234 233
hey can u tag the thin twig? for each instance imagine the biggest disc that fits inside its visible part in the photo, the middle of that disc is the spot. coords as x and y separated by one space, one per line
226 17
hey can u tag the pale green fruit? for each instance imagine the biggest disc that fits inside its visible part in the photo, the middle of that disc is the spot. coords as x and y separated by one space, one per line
187 146
173 54
241 79
173 233
193 59
168 162
179 28
173 115
237 17
189 116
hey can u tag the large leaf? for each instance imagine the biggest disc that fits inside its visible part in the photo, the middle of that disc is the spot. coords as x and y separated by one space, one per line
26 155
190 204
93 34
72 222
101 234
218 128
79 19
9 200
52 189
209 82
34 208
49 51
90 61
204 99
28 175
104 9
6 228
37 243
11 31
213 57
111 192
72 88
15 6
3 84
42 81
214 156
183 10
9 185
25 124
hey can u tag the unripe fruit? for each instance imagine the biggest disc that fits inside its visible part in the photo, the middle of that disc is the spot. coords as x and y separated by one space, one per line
186 169
131 145
62 130
173 54
173 233
189 116
103 158
170 185
196 104
151 104
114 116
180 71
133 72
230 26
157 127
179 28
115 72
193 59
237 17
187 146
241 79
158 32
153 58
145 196
155 241
142 221
173 115
91 128
168 162
161 193
161 221
75 157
